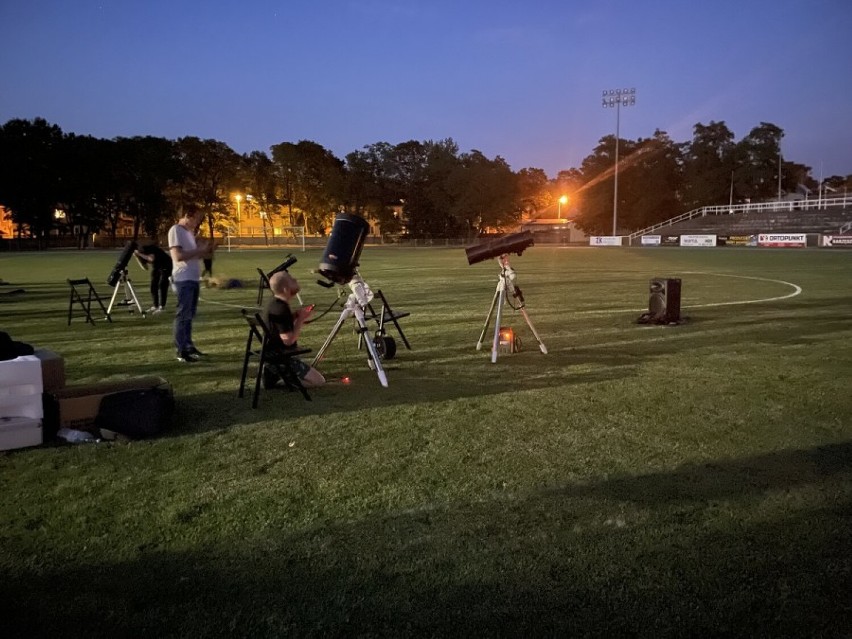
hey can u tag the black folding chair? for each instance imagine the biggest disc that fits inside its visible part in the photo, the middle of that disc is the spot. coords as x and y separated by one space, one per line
384 314
259 345
91 295
262 285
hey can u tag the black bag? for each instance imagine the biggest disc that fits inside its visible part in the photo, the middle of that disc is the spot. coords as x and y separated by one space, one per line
137 413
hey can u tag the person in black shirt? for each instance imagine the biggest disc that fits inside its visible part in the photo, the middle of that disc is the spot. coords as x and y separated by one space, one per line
151 257
285 326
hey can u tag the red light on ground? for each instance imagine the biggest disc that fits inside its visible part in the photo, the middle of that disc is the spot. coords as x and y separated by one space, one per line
345 380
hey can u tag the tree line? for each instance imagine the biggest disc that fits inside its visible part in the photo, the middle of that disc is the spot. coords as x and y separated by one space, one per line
52 181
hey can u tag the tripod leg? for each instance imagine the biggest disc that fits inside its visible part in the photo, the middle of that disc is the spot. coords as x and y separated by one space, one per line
496 344
371 347
488 319
112 301
134 298
346 314
534 332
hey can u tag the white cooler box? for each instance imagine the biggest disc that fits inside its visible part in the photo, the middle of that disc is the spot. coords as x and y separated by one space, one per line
21 408
20 432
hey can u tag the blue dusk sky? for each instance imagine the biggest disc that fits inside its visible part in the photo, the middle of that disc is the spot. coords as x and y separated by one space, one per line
518 79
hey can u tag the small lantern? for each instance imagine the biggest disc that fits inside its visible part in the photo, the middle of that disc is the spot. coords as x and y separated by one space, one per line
509 342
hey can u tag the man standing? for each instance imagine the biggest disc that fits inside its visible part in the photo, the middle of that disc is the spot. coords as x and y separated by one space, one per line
186 273
285 326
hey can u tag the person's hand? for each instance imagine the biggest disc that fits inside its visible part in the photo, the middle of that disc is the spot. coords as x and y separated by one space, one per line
205 248
306 311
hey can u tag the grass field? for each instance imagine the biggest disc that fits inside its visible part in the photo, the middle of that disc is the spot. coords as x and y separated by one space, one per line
664 481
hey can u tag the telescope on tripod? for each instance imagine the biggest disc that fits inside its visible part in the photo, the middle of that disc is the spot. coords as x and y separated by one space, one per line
500 248
119 279
339 264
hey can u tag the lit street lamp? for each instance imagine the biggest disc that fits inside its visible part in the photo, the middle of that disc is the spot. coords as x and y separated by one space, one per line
562 200
616 98
238 198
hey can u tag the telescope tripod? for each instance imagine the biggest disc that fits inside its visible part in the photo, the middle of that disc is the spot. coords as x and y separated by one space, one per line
354 307
130 298
506 284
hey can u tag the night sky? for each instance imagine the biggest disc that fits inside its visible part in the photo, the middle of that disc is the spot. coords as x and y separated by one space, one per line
522 80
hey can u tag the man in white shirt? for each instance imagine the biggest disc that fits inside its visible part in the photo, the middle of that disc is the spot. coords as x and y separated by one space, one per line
186 272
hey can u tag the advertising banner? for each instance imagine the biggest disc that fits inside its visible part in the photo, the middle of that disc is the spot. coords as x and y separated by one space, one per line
736 240
782 239
651 240
698 240
671 240
840 241
605 240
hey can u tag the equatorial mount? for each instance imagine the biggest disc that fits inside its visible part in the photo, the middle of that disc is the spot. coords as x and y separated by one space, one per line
354 306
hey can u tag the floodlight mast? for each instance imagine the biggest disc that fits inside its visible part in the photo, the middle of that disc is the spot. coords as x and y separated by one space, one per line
616 98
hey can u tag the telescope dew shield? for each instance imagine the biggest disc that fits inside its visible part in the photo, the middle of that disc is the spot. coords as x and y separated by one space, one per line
340 258
514 243
121 265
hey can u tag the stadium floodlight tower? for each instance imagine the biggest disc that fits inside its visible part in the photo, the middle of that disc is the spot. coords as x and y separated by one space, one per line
617 98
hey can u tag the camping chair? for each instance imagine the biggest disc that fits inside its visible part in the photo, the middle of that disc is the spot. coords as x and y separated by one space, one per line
384 314
259 345
85 303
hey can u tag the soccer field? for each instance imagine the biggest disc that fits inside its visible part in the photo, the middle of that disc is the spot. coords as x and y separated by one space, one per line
635 480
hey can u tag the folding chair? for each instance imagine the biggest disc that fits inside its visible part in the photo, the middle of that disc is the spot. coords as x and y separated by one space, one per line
384 314
259 345
262 285
85 303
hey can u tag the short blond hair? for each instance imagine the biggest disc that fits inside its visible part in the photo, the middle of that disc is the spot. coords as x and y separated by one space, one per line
281 282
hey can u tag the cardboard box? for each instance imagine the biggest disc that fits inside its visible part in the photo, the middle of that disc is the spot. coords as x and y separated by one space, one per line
52 369
77 406
19 432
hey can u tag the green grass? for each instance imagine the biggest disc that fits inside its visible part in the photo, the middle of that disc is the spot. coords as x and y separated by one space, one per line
636 480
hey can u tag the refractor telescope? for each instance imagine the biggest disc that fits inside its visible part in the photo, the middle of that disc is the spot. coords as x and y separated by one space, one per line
286 264
120 267
513 243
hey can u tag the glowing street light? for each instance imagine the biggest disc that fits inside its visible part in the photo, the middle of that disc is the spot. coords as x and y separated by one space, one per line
616 98
239 199
562 200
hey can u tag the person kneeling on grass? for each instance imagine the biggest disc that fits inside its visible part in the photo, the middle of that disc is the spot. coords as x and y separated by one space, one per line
285 326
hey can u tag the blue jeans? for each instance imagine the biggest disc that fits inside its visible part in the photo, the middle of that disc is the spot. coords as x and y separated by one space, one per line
187 304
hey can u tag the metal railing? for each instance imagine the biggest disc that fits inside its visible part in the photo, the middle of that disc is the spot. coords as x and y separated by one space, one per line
792 205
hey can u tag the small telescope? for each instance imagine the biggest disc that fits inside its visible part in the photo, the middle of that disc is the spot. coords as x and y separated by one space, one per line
121 265
340 259
286 264
513 243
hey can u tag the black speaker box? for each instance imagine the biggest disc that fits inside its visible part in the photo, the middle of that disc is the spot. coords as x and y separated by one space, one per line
664 300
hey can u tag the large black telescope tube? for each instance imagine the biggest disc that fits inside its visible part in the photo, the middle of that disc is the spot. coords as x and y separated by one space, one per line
514 243
340 258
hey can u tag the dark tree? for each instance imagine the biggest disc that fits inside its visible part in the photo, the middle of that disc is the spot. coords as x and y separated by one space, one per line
315 178
30 173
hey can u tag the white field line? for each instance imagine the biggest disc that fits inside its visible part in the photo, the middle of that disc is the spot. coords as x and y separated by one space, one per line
797 290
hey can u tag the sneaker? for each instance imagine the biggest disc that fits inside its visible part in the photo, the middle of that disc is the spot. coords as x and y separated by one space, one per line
187 357
153 309
157 309
194 351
